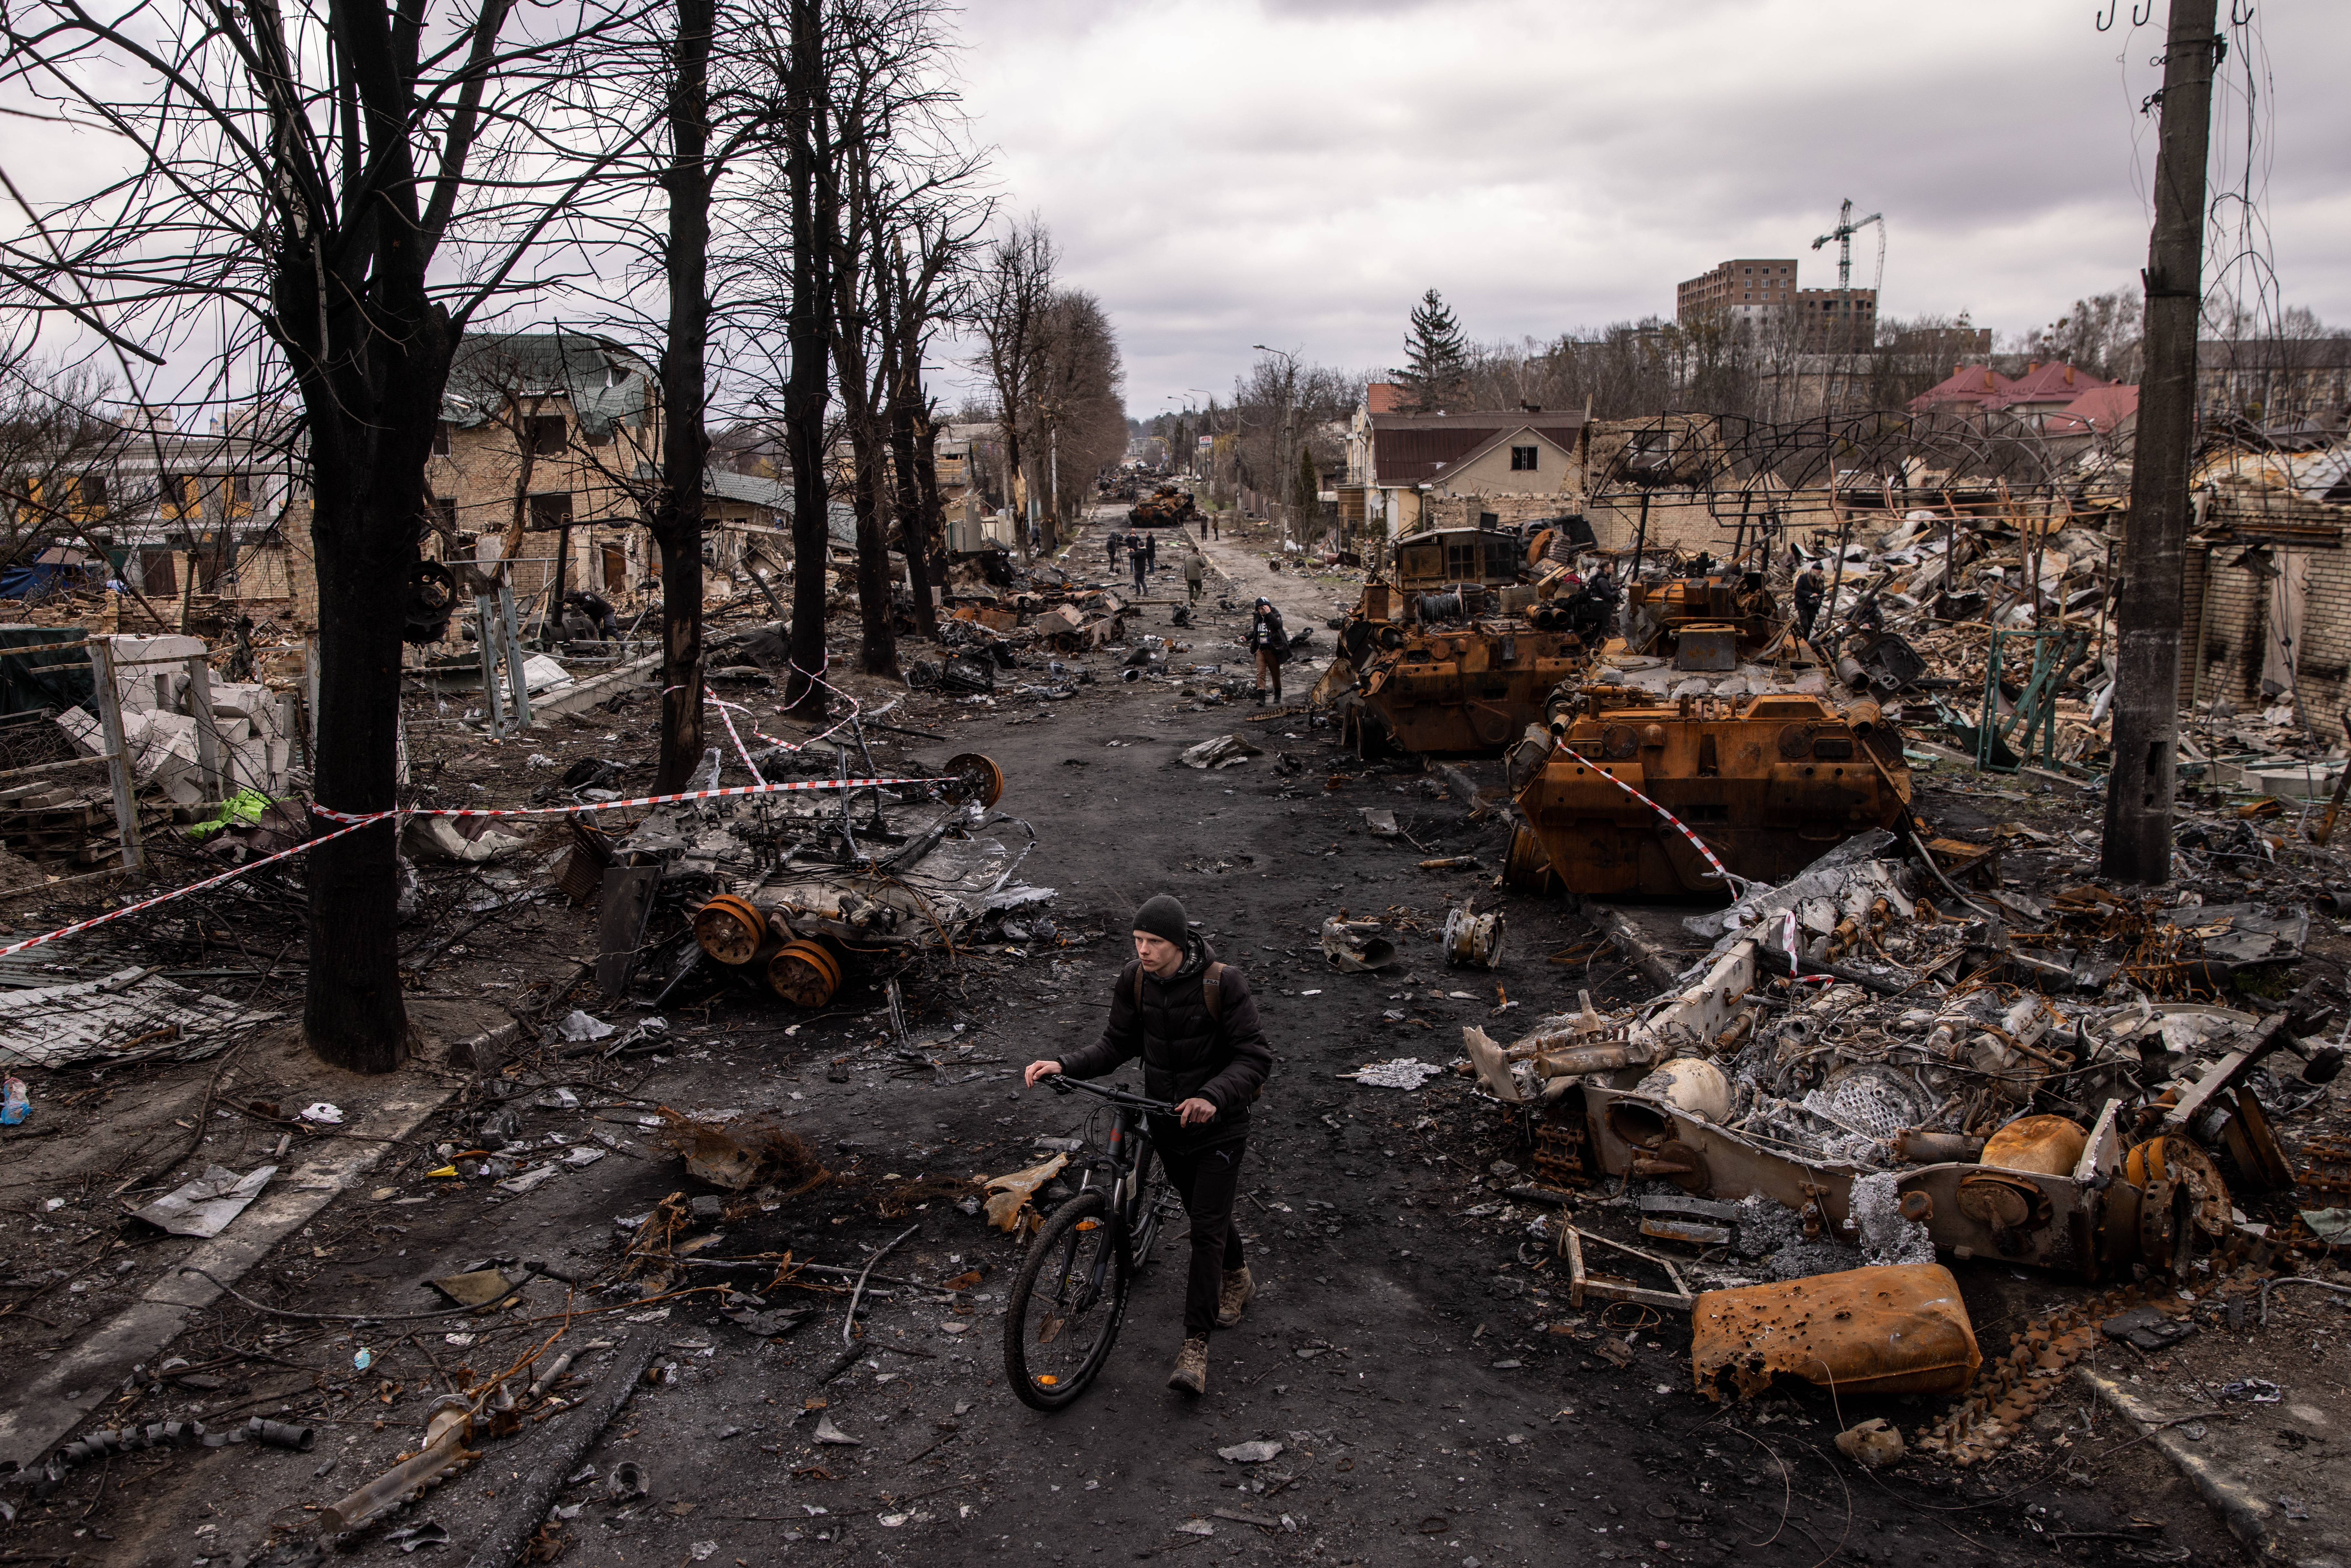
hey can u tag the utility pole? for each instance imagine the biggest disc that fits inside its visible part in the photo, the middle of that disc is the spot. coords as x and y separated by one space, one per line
2139 786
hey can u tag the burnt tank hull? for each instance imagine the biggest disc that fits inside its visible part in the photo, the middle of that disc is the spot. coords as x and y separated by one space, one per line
1770 783
1468 689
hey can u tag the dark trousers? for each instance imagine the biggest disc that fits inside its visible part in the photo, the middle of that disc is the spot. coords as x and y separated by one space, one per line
1207 1180
1138 573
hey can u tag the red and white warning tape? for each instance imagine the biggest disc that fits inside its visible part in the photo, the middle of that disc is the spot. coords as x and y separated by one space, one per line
354 820
1699 844
1738 884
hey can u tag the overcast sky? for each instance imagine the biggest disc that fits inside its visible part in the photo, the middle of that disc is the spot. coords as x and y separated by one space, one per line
1223 172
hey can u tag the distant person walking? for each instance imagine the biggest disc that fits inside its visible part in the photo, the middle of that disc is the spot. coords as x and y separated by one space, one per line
1270 644
1135 561
1112 544
1196 574
1151 552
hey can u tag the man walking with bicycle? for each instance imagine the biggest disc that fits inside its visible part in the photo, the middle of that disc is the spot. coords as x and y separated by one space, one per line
1194 1022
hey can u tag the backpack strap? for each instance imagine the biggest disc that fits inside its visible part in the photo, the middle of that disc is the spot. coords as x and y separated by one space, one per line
1212 991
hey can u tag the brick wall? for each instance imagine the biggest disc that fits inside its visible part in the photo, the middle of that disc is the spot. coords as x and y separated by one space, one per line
2224 612
1678 520
1463 511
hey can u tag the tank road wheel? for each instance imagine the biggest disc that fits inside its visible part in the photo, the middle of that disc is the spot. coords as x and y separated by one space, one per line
971 777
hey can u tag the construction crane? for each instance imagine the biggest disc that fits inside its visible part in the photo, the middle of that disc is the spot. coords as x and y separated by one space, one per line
1842 234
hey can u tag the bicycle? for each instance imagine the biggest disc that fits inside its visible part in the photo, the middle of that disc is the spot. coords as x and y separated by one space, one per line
1066 1306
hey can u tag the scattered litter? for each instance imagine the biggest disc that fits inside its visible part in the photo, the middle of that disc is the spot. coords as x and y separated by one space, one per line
1403 1072
1008 1196
1873 1443
577 1025
826 1432
1254 1453
1223 751
325 1113
1356 947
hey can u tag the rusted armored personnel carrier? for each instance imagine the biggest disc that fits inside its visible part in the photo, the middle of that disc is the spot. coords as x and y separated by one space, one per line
1720 618
1770 781
1456 648
1165 507
1709 706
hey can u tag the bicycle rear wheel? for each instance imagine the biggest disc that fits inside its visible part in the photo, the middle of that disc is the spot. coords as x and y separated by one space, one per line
1066 1303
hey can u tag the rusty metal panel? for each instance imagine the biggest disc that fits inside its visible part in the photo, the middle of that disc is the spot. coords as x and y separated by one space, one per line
1756 782
1898 1330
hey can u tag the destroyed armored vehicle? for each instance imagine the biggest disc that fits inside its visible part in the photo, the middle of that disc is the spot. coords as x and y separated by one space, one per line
1707 708
1767 781
1456 649
1165 507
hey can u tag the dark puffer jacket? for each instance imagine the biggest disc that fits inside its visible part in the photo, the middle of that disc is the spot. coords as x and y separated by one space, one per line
1186 1052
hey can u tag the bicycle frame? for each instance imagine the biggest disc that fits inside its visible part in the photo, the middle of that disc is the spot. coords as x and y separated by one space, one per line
1128 1147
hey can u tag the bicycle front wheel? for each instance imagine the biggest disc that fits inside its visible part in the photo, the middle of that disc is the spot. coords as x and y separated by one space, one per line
1066 1304
1152 1199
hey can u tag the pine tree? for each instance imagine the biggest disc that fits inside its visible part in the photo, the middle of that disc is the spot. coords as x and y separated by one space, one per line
1437 373
1306 492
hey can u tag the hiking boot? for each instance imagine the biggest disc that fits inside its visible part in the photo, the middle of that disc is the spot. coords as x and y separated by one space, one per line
1191 1373
1238 1289
1260 696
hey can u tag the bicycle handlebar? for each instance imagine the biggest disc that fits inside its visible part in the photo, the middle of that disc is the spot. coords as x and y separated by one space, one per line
1061 1083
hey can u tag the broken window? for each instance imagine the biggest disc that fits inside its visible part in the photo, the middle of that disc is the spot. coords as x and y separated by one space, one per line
547 436
550 512
92 494
1522 459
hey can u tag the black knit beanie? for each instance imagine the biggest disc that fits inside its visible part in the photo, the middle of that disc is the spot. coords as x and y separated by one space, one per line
1163 918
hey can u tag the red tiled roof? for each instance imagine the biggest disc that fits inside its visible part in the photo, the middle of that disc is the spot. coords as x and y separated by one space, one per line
1383 397
2055 382
1414 448
2098 411
1970 384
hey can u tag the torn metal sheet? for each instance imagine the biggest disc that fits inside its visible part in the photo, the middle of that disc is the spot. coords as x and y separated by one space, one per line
203 1207
51 1026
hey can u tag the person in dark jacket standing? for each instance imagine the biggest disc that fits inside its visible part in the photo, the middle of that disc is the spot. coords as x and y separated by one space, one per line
1270 644
1151 552
1135 559
1811 588
1194 1022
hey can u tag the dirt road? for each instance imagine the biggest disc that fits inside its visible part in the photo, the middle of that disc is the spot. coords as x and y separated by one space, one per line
1434 1397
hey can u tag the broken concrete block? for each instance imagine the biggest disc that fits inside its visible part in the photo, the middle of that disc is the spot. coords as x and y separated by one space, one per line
240 699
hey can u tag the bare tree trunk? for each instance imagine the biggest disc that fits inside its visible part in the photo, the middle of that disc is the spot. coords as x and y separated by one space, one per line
814 199
2138 847
677 521
367 490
